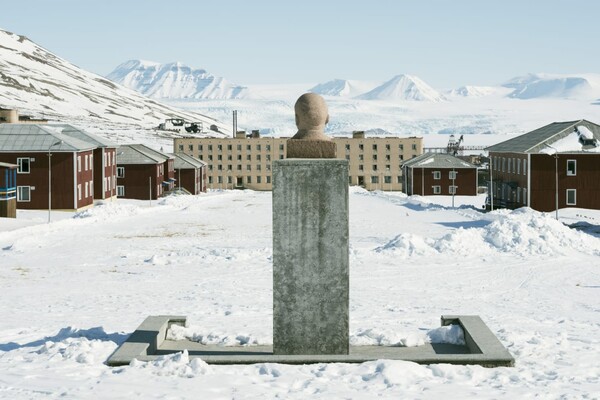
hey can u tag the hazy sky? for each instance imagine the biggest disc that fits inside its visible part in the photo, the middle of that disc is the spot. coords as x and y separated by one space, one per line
446 43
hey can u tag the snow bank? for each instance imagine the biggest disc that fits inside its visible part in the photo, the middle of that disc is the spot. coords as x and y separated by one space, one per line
451 334
178 332
177 364
521 232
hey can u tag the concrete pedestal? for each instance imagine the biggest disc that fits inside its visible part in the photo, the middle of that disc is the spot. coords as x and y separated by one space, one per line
310 257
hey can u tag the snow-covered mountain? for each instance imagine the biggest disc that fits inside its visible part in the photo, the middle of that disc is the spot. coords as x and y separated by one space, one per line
174 81
34 80
403 87
532 86
343 88
474 91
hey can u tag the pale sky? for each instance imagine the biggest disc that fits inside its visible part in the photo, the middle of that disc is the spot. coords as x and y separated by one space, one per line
446 43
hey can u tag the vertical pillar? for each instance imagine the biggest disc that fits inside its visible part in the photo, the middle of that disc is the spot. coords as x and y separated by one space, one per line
310 257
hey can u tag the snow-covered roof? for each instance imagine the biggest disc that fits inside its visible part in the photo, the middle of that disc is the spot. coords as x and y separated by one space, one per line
437 160
36 138
7 165
564 136
184 161
139 154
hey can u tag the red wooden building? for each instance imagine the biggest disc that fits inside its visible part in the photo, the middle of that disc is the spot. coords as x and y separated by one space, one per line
190 173
555 166
439 174
54 162
143 173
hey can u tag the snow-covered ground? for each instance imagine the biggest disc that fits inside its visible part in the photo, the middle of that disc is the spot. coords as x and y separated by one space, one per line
72 290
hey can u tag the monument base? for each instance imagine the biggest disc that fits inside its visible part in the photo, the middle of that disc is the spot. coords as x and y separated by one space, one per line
481 347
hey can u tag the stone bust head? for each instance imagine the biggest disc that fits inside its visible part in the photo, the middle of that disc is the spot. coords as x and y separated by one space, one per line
311 117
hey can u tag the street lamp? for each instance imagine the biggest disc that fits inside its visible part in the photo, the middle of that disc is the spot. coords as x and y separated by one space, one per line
50 176
554 152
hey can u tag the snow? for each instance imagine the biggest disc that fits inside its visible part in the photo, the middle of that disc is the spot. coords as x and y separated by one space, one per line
569 143
403 87
174 81
75 288
585 132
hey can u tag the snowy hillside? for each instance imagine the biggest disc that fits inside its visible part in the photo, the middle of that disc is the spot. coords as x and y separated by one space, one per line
74 289
34 80
174 81
476 91
343 88
533 86
403 87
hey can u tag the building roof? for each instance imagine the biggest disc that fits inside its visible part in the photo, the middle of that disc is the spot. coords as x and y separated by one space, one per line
184 161
41 138
140 154
437 160
541 138
77 133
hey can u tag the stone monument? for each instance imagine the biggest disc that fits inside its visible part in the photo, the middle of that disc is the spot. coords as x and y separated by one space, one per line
310 240
311 275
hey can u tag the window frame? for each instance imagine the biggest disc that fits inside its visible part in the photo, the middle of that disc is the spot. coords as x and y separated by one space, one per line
574 168
574 191
20 165
437 175
436 189
122 172
20 196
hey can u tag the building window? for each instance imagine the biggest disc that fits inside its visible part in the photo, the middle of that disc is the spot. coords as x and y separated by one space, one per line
374 147
190 147
239 147
347 147
518 195
258 157
210 147
248 179
361 157
239 157
268 179
229 157
210 180
399 179
361 167
524 196
571 167
571 197
199 147
387 147
281 147
229 167
375 179
181 147
210 167
387 157
229 147
401 157
248 147
374 167
503 164
524 167
24 193
452 189
210 157
79 191
248 157
414 146
229 180
268 147
248 167
387 167
239 167
518 166
219 158
258 179
401 147
219 147
258 147
452 175
437 189
120 190
219 179
86 190
387 179
268 167
258 167
361 147
437 175
23 166
79 163
220 167
374 155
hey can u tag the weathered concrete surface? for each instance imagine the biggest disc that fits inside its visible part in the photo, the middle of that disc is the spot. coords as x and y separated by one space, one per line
310 257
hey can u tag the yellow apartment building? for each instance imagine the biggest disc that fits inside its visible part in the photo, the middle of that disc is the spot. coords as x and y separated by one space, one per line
244 162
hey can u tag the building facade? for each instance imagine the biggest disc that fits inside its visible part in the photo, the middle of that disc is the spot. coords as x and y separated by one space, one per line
439 174
55 165
525 170
190 173
143 173
245 161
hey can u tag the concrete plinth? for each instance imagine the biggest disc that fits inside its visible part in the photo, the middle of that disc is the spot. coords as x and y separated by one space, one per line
310 257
